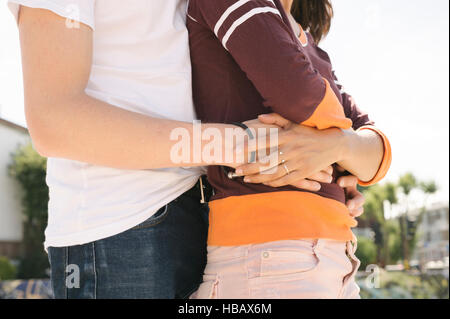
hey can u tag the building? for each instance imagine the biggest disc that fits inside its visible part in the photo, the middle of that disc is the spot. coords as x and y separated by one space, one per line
11 136
432 251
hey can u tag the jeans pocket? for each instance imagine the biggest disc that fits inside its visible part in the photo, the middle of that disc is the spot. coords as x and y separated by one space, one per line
208 288
155 219
288 264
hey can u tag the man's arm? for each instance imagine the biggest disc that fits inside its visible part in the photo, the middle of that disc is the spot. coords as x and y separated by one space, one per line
64 121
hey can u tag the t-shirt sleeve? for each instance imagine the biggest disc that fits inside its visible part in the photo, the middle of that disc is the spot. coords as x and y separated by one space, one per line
258 36
78 10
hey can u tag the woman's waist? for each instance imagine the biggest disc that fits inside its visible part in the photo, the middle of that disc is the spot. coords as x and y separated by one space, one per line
218 254
288 215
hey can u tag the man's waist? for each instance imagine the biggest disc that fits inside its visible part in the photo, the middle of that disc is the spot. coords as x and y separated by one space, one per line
202 191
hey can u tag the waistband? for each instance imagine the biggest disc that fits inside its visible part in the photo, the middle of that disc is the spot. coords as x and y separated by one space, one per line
220 253
201 191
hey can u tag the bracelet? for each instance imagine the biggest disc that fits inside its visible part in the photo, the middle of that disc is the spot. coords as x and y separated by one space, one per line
250 136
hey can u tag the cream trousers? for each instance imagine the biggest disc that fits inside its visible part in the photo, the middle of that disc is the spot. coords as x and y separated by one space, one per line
290 269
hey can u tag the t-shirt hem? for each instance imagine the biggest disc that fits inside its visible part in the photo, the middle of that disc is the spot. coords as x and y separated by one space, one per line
85 237
95 234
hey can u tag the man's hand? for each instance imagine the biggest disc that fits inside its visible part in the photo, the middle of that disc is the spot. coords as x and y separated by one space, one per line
354 199
312 183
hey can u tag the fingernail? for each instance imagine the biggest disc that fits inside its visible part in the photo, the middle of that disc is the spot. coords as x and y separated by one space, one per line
239 172
247 179
351 206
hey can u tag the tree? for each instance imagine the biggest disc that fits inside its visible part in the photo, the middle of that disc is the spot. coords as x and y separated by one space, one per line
367 252
429 187
374 217
408 224
395 239
30 171
7 270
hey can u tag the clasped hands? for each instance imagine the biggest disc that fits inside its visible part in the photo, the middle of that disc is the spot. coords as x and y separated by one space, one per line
304 159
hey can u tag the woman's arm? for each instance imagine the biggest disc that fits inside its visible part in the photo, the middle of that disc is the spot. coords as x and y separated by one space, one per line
257 34
362 154
368 152
261 42
365 152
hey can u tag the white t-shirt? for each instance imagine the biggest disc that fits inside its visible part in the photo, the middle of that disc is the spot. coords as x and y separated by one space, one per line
140 63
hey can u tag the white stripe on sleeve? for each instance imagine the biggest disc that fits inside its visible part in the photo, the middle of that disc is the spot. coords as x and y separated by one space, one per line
229 11
244 18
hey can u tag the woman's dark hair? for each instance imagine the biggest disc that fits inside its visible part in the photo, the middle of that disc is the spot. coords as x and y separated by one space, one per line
314 16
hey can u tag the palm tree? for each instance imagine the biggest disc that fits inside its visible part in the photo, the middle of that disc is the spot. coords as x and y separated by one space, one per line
408 224
374 217
387 231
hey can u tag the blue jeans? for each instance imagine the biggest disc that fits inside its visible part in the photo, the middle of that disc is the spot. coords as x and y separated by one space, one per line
162 258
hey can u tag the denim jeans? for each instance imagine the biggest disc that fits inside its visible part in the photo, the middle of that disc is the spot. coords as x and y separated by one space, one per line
162 258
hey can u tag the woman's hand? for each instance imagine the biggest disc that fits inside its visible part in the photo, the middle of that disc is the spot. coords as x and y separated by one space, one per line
302 153
312 183
354 199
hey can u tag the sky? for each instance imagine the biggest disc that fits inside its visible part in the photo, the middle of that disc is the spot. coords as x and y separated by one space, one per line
391 56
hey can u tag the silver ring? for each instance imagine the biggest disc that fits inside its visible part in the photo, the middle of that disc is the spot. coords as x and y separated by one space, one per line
287 169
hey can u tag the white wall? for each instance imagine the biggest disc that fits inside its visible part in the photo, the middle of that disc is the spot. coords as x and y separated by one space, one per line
10 193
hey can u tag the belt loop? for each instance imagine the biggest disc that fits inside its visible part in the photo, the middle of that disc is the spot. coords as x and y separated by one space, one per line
318 245
202 201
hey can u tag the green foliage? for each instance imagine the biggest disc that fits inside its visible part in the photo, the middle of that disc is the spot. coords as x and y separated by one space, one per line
401 285
30 171
373 209
390 193
367 252
395 239
394 243
7 270
407 183
429 187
